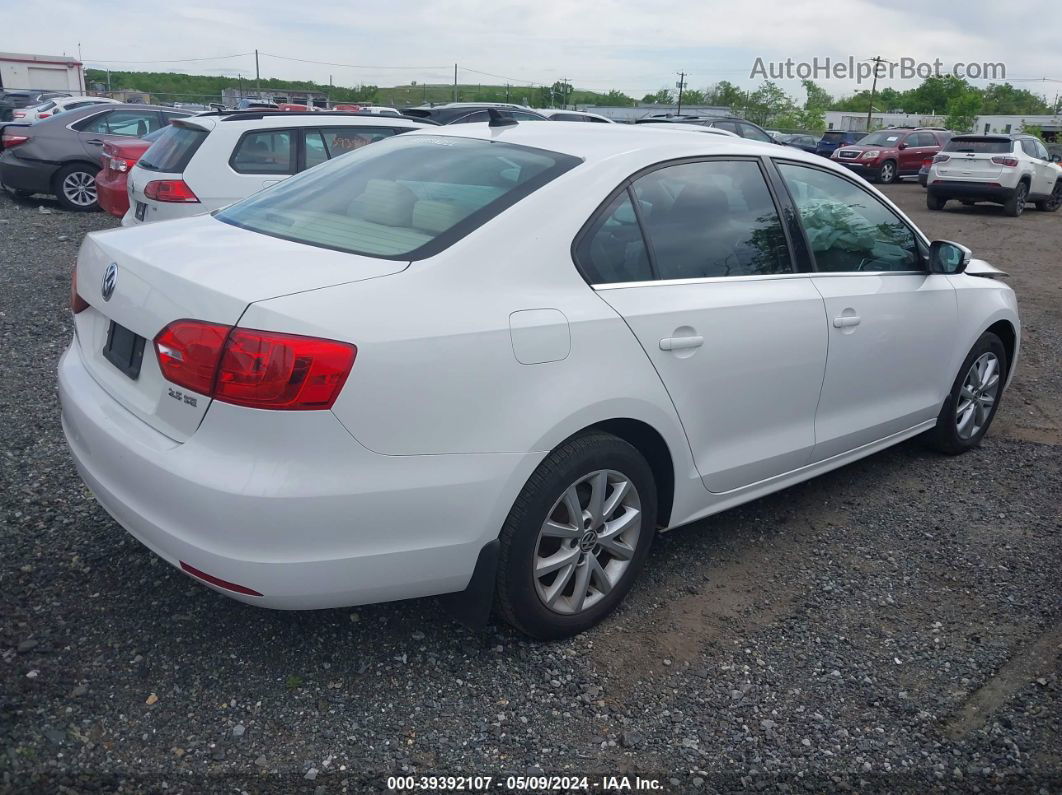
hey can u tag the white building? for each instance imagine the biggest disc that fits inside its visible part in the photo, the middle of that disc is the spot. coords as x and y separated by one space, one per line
1050 126
626 114
850 120
45 72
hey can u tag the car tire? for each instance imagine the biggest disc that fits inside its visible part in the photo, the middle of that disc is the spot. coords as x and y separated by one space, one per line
75 187
1015 204
967 413
583 581
1053 202
934 202
887 174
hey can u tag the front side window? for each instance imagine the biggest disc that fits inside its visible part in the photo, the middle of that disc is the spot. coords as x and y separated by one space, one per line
882 138
264 152
709 219
847 228
613 249
408 197
135 123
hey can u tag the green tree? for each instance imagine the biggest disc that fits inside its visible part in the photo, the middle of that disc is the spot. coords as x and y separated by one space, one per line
726 94
1005 99
614 97
691 96
664 96
767 103
963 110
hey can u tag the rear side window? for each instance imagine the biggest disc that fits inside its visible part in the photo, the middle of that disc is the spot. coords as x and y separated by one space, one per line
988 146
173 149
571 117
265 152
613 250
324 144
407 198
753 133
710 219
134 123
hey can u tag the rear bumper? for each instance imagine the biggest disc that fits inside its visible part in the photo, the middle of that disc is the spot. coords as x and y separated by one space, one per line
31 175
288 504
112 194
956 189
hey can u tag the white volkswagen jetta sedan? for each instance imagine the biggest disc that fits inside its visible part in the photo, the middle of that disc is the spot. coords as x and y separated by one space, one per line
493 361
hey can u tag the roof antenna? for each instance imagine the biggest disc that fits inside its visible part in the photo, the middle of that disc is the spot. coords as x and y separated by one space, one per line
498 120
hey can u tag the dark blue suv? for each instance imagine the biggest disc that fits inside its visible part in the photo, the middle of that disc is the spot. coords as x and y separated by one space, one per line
831 139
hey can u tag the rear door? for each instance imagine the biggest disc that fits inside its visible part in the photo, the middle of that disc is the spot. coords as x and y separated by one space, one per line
1045 174
735 331
891 324
323 143
259 159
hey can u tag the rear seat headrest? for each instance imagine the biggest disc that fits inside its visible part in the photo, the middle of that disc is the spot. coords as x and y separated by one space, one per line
385 202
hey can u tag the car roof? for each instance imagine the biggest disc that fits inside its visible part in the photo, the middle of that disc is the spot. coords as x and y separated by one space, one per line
596 142
208 121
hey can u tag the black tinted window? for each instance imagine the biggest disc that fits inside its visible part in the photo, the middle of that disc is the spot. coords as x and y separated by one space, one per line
753 133
613 250
264 152
848 229
988 146
714 218
173 149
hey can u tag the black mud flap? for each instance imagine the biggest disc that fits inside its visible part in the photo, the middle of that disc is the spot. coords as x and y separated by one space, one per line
471 607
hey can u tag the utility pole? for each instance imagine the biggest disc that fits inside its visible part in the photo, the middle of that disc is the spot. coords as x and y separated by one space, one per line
680 85
455 83
877 60
507 92
239 76
564 92
257 76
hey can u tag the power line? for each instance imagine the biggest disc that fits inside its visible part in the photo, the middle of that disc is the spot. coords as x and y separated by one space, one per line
173 60
350 65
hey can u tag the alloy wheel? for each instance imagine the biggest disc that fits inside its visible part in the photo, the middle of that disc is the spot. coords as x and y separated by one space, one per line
79 187
1055 201
587 542
1019 197
978 395
887 173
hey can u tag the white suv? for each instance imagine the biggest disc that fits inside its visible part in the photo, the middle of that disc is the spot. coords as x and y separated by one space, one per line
213 159
1011 170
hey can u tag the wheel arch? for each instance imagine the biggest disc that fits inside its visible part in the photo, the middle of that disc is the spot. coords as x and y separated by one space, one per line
647 440
1005 330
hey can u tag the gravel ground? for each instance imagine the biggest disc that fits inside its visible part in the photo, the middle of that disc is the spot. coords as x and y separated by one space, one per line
893 626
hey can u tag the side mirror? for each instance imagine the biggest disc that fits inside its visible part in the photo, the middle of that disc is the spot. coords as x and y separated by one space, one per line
1056 158
948 257
901 145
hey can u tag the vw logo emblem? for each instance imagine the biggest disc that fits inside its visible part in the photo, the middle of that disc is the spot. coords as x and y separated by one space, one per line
110 281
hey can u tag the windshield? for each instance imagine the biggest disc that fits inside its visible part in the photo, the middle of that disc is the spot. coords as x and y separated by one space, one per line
405 198
882 138
174 148
994 146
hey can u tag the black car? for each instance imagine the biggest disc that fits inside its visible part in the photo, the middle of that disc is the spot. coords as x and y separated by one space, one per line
11 100
831 139
809 143
60 155
468 112
746 129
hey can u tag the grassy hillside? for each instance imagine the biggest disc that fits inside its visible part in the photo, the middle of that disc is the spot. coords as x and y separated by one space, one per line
174 87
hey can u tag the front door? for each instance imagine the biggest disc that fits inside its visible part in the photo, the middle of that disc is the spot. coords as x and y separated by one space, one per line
891 324
737 336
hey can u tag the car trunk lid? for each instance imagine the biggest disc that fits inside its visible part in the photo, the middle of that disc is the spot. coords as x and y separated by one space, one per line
967 165
197 268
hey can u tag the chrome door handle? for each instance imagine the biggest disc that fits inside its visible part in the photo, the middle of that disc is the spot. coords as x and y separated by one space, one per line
846 321
680 343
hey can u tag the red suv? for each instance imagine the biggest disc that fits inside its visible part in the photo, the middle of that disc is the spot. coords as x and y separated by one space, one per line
887 155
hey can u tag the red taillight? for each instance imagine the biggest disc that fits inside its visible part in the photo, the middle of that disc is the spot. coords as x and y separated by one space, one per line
11 139
260 369
77 303
43 115
19 114
1000 160
941 158
169 190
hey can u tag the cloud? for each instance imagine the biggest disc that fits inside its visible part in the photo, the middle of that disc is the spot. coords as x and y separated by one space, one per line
633 45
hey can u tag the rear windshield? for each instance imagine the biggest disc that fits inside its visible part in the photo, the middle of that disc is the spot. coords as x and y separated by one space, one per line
408 197
989 146
832 136
173 150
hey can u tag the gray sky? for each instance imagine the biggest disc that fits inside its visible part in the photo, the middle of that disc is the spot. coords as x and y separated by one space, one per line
636 46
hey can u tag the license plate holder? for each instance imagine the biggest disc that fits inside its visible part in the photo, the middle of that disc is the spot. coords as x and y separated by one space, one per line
140 211
124 349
